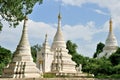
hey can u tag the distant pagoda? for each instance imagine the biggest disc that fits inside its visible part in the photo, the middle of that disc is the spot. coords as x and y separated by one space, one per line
22 65
111 44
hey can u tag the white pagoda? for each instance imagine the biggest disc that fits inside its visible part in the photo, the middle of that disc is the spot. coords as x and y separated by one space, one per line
22 65
111 44
55 59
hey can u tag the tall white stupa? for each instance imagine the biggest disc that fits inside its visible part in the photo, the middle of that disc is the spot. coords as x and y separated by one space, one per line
22 65
111 44
62 60
55 59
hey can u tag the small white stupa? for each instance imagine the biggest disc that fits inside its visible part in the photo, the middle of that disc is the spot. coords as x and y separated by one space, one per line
22 65
55 59
111 44
44 57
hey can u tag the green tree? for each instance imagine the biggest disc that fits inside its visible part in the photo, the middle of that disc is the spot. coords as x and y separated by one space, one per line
79 59
72 50
71 47
115 57
105 67
14 11
98 66
99 49
5 57
34 50
116 69
2 65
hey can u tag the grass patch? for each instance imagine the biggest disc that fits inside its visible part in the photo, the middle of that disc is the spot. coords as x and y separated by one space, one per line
113 76
49 75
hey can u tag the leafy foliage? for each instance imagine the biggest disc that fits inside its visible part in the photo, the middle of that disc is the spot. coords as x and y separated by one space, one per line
5 57
2 65
79 59
72 51
116 69
14 11
71 47
115 57
99 49
34 50
98 67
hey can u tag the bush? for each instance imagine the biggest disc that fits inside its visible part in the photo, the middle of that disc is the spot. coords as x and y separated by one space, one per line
116 76
2 65
102 76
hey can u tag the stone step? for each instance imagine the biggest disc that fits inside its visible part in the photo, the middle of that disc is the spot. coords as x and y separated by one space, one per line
53 79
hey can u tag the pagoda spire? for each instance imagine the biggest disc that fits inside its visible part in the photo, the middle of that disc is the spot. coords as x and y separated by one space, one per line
59 41
59 21
22 65
25 33
23 48
110 25
46 38
45 44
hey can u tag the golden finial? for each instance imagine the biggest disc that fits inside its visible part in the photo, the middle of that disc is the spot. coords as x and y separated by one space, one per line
110 25
59 16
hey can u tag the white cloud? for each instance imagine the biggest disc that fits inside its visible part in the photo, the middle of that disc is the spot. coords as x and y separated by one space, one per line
87 49
84 32
100 12
73 2
39 29
10 37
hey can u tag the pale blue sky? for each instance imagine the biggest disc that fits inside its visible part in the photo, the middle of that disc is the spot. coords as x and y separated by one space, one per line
84 22
72 15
